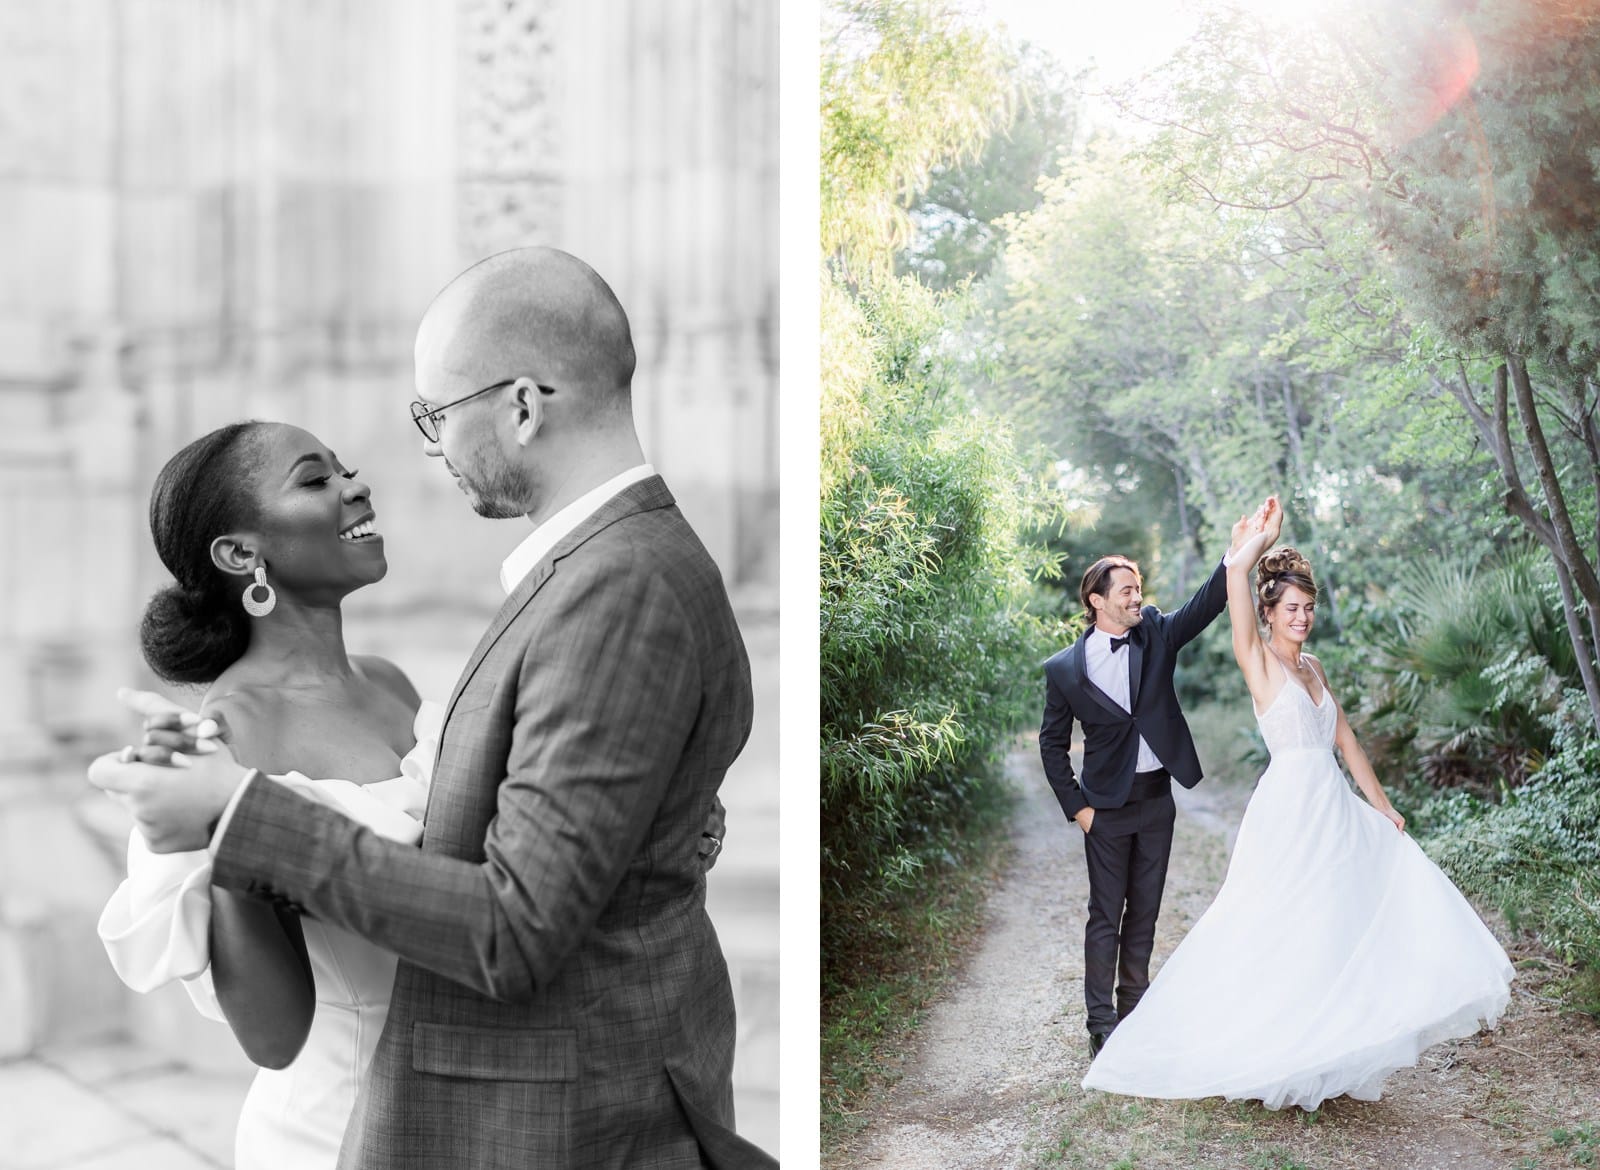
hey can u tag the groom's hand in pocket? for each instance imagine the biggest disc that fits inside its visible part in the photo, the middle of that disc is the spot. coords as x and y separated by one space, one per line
1085 817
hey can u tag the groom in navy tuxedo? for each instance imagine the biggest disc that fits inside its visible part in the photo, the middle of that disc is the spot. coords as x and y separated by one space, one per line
1116 680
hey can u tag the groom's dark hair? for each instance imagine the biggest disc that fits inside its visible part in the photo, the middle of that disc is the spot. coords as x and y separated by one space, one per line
1097 578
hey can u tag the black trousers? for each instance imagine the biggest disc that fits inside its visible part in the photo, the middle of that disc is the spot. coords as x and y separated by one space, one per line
1126 850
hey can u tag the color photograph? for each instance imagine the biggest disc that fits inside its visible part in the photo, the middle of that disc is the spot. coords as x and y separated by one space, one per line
1209 578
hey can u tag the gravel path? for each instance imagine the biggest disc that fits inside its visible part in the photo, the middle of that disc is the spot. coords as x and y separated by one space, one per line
994 1081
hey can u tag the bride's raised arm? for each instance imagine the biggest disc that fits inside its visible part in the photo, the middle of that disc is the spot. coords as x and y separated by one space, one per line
1249 651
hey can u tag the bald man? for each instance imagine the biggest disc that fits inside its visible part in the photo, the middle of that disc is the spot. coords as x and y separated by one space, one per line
561 997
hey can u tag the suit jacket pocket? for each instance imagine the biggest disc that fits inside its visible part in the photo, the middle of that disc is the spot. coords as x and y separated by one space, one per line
495 1054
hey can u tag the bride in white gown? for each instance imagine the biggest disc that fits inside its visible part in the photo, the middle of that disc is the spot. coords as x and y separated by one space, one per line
1335 951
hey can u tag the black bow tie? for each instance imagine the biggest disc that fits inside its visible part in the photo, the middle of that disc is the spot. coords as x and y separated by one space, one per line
1119 643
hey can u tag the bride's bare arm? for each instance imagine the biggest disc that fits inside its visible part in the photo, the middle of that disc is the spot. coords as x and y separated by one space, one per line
1355 756
1249 651
259 965
262 976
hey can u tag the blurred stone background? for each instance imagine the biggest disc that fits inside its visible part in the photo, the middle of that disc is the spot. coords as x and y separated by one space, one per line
220 209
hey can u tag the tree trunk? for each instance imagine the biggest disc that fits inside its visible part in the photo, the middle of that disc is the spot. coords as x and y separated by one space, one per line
1569 610
1572 567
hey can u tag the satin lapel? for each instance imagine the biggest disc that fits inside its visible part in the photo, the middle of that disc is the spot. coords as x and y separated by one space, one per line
1135 648
1080 662
644 496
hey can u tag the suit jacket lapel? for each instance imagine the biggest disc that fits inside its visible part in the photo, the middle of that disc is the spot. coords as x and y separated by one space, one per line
1080 662
644 496
1135 649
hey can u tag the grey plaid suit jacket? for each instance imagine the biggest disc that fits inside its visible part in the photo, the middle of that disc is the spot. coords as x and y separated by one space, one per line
561 998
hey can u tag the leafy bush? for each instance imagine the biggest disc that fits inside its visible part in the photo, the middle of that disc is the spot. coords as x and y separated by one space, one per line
1470 666
1537 855
929 656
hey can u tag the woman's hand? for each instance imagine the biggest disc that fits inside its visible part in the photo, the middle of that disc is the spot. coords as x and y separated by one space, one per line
1395 818
1242 529
1272 519
170 729
1254 544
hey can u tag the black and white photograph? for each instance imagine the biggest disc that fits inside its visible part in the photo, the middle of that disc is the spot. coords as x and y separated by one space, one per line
389 650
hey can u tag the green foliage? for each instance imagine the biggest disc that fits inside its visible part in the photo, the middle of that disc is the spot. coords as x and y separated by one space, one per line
907 87
1496 237
959 233
1579 1146
1537 855
929 656
1470 667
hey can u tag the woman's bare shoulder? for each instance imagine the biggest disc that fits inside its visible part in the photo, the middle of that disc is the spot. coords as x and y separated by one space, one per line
388 676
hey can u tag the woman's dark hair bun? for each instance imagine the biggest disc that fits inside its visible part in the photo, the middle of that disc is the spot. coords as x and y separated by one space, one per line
196 628
189 637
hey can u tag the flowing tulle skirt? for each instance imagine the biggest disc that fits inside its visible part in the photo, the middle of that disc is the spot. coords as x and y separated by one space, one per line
1334 954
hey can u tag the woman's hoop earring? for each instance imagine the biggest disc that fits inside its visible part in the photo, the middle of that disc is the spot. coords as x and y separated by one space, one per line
259 606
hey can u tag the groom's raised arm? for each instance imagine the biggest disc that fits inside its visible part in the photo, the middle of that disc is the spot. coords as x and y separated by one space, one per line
606 701
1186 623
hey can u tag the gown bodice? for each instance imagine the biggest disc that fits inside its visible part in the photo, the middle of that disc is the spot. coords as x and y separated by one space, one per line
1292 722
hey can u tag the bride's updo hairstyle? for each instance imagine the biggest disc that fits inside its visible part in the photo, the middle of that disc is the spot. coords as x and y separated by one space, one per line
195 628
1277 571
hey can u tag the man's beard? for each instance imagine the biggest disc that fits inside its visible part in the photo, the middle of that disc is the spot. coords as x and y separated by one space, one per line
502 492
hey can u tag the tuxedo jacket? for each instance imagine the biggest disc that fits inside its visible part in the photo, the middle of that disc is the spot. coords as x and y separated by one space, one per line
1110 734
561 998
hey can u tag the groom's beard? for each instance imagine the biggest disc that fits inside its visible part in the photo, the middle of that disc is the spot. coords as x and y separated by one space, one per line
501 492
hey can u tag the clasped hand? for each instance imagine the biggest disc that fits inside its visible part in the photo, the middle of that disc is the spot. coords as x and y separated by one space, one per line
177 782
1254 534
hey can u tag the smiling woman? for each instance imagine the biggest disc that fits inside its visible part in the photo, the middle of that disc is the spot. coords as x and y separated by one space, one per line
251 504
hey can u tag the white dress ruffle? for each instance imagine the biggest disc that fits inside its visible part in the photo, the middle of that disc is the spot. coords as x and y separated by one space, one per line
155 927
1334 953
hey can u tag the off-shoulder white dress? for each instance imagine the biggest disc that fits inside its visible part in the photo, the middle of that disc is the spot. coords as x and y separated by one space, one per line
155 927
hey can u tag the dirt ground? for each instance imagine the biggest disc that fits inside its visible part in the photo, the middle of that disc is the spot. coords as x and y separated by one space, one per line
994 1079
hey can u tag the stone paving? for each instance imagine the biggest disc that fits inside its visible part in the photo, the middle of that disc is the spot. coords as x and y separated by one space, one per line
93 1077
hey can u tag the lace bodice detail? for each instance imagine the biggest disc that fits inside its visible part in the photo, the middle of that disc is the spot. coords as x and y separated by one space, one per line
1294 723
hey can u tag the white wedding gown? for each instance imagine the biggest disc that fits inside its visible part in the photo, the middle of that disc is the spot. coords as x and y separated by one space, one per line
1334 953
154 929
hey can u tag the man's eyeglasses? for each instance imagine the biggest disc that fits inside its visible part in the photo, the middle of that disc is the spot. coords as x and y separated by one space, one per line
428 417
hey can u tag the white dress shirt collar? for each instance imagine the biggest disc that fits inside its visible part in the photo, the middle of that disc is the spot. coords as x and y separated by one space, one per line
546 536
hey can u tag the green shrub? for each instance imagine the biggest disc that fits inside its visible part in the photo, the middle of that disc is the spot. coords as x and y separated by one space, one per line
1536 856
930 659
1470 667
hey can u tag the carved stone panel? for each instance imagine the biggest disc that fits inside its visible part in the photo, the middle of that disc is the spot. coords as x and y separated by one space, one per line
507 144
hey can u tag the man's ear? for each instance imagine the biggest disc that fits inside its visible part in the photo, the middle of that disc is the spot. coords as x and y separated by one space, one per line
529 400
235 553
